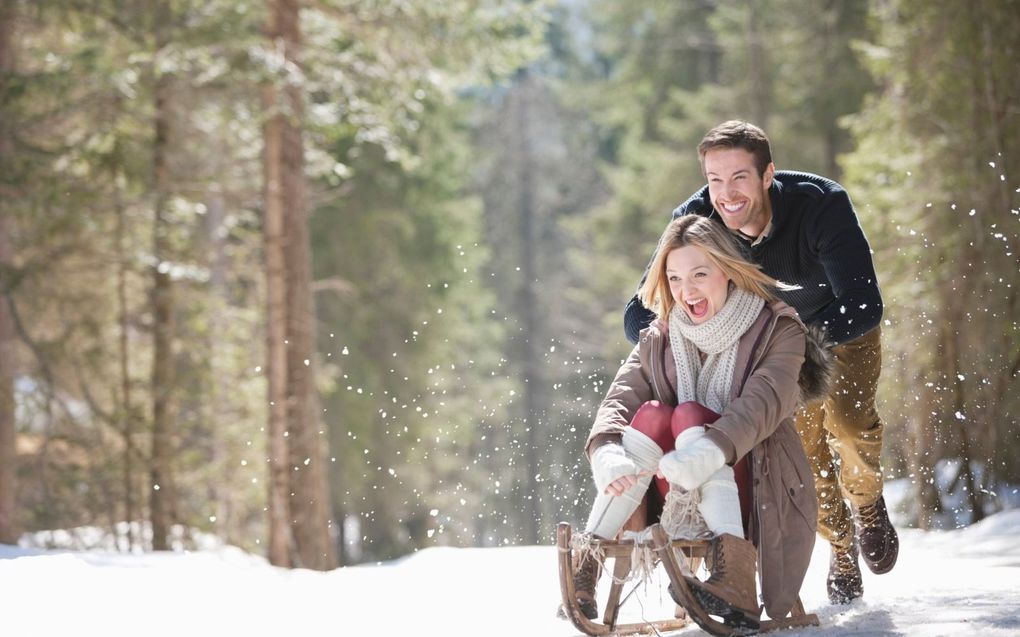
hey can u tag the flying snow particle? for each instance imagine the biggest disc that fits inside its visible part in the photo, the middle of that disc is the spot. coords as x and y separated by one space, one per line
960 416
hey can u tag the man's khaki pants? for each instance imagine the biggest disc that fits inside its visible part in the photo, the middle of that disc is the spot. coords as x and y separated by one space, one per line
845 425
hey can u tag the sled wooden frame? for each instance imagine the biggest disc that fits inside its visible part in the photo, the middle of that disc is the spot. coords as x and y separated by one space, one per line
666 551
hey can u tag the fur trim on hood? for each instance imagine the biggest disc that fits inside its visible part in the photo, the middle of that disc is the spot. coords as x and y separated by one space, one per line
816 373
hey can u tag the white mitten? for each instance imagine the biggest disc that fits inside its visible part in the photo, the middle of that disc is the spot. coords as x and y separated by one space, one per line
609 462
695 459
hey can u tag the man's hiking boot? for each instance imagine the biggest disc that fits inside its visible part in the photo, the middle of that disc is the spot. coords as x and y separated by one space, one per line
844 582
730 591
880 546
586 576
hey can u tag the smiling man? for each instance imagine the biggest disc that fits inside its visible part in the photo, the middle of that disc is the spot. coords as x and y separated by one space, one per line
802 230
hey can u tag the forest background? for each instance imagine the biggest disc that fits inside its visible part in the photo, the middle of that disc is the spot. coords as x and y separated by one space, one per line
335 280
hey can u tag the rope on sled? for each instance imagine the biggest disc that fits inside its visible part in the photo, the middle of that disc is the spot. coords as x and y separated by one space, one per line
680 518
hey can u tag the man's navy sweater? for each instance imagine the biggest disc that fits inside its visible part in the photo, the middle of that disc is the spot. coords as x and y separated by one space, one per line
815 242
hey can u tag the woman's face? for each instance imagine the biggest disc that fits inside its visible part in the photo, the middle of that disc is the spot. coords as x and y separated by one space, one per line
697 284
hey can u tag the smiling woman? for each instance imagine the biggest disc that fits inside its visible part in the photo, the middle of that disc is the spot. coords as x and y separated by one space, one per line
715 253
697 284
686 409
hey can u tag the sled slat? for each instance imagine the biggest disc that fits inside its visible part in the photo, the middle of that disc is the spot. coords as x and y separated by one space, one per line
621 569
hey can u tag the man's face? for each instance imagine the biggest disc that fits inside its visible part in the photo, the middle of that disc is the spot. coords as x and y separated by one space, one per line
738 194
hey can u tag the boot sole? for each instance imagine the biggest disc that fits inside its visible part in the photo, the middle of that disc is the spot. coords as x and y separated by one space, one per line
740 621
842 598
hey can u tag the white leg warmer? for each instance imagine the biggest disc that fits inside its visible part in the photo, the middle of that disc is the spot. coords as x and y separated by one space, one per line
609 513
720 504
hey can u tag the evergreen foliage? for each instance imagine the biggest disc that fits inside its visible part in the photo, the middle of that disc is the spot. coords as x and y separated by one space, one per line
486 182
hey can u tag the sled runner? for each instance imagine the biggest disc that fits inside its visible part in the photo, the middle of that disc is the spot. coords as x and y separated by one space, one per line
679 558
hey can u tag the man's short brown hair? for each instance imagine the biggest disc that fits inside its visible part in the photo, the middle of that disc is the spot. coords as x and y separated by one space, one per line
738 134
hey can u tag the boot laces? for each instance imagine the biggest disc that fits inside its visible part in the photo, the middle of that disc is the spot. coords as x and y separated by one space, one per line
846 560
718 560
870 516
587 574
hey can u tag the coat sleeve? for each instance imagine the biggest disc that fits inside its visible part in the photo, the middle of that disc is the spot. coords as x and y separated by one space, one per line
631 388
845 255
769 396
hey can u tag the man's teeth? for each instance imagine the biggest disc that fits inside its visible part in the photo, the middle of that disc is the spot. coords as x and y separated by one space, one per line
733 207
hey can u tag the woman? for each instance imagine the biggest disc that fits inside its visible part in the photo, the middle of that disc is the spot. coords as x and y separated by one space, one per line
713 383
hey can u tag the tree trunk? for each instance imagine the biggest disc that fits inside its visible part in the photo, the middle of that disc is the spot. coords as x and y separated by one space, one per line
526 305
310 503
127 413
923 454
219 491
951 338
276 335
162 488
758 67
991 111
8 451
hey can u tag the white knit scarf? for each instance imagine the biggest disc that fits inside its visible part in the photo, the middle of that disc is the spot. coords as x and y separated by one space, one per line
709 383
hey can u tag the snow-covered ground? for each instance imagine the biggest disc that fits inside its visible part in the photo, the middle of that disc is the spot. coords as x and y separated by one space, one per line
962 582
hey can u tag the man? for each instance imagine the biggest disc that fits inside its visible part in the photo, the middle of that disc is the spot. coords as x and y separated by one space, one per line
802 230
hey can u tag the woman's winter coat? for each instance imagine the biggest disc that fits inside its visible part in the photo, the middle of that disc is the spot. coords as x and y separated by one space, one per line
758 421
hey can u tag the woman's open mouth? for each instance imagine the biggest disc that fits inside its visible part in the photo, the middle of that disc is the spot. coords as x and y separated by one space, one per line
697 308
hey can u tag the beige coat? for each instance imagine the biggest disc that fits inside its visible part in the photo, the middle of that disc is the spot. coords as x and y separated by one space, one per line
757 421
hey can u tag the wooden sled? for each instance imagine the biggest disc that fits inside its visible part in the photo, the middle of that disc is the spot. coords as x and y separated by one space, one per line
679 558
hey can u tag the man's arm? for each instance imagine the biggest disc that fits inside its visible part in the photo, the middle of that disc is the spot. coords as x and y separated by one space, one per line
636 316
845 255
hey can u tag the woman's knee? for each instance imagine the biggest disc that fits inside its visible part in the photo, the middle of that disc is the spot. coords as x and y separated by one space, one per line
653 420
690 414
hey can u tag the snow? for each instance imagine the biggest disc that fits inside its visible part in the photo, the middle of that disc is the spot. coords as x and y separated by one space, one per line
963 581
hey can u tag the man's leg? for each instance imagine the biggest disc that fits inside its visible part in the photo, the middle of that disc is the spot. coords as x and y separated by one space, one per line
856 437
835 525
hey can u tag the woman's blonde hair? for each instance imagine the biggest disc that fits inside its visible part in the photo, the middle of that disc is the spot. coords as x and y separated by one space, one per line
722 250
